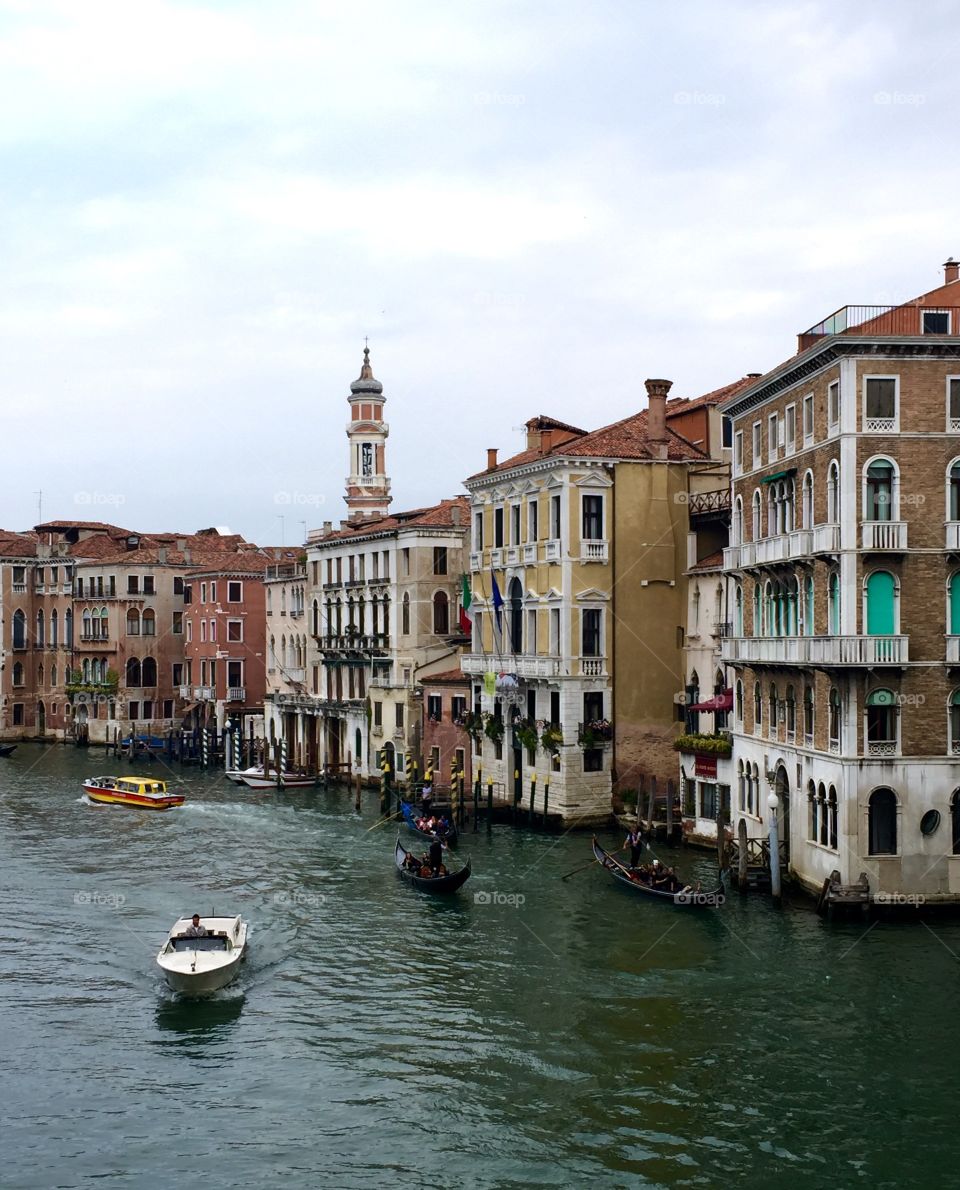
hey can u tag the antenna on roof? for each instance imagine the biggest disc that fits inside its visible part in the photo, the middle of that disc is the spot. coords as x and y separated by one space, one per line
39 496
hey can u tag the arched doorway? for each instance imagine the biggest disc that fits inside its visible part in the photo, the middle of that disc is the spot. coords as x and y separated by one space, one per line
782 788
41 718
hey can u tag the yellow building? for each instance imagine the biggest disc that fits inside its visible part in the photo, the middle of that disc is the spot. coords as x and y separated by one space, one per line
578 600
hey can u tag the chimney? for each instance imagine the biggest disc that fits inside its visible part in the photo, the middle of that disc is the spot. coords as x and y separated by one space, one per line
162 555
951 270
546 441
455 516
491 457
657 414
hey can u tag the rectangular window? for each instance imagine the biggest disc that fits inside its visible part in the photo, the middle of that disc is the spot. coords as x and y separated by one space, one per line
148 585
234 674
178 623
757 444
790 431
405 560
378 714
773 422
133 709
133 584
187 593
533 518
434 707
398 714
234 630
203 630
234 592
497 528
555 630
555 706
953 404
148 709
440 559
833 405
808 419
726 432
514 524
738 453
592 518
593 760
880 403
936 322
478 531
177 673
213 630
189 631
203 592
708 800
590 632
213 673
458 708
213 592
178 585
168 708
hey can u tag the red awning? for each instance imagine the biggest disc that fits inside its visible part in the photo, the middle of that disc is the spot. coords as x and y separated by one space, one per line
719 702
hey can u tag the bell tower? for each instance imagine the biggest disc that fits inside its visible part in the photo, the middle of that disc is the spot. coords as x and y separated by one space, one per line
368 488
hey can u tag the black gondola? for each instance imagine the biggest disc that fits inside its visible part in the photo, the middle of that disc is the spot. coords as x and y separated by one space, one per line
685 898
411 813
7 749
434 884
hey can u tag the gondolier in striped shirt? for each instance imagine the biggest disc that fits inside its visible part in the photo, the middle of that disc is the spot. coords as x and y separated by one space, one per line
634 841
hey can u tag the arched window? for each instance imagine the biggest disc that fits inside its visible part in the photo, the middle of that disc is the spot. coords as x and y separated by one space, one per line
738 611
882 821
18 673
953 722
808 620
835 719
54 628
955 821
881 591
807 510
68 628
808 714
755 792
881 727
833 493
19 630
86 669
953 590
757 611
441 614
405 616
774 708
741 787
953 491
736 526
792 606
833 604
133 622
148 673
95 673
790 709
822 813
757 524
832 818
104 624
880 491
515 601
41 629
757 707
133 671
316 618
148 623
740 702
813 813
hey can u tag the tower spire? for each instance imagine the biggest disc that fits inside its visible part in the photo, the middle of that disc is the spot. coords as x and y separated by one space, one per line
368 486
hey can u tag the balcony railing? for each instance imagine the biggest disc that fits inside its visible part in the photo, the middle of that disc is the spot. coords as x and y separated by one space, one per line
551 550
513 555
890 321
592 667
953 650
347 642
476 561
203 693
293 673
815 650
953 535
884 535
798 543
530 552
496 557
523 665
704 503
236 694
825 539
185 692
594 551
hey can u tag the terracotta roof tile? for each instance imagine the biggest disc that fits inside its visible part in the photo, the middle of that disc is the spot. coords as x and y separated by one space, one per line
712 561
436 516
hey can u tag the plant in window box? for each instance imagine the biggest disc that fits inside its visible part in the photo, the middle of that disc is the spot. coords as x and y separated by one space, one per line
602 729
525 732
471 723
493 727
551 738
706 745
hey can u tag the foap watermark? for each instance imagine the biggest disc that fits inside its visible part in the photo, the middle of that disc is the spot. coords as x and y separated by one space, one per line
300 499
699 98
102 499
895 899
102 900
297 896
910 700
899 98
514 900
693 897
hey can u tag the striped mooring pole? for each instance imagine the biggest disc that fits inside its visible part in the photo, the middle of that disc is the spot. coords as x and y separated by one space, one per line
283 762
205 748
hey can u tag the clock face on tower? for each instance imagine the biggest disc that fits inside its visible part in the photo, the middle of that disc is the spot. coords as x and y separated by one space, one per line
366 459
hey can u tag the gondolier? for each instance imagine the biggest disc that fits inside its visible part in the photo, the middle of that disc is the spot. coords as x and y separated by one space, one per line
436 855
634 841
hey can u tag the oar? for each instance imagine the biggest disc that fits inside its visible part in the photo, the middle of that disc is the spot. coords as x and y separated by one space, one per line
382 822
584 867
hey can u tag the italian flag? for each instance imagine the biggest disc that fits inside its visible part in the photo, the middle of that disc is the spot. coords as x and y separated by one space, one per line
466 615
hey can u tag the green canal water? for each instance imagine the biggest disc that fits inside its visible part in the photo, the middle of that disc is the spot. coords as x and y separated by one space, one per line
547 1033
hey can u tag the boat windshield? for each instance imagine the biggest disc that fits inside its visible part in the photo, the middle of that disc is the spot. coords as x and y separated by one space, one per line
210 942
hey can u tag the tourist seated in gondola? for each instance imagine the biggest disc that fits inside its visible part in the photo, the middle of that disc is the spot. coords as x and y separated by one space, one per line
411 863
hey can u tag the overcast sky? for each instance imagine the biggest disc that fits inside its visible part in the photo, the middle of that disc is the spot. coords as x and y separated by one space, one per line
528 207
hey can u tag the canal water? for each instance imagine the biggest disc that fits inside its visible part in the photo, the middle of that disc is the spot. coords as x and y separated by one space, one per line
528 1032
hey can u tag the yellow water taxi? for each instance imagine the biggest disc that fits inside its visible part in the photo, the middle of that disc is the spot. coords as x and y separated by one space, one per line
145 793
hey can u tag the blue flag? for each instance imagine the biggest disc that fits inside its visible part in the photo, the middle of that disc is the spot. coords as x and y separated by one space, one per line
497 600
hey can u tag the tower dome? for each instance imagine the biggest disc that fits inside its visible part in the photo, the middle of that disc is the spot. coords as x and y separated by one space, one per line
368 485
366 383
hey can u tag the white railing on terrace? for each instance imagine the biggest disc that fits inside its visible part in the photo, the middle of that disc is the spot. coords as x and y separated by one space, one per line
884 535
236 693
825 539
524 665
815 650
593 550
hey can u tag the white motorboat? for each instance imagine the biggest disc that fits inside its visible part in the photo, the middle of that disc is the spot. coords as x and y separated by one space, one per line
290 781
237 775
198 965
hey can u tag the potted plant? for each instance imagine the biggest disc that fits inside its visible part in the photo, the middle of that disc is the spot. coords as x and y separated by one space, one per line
525 732
551 738
493 727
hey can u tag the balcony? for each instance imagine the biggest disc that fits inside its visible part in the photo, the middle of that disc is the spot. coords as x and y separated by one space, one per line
236 694
293 674
884 535
551 550
476 561
825 539
815 650
513 555
953 536
953 650
530 553
185 692
203 693
592 667
353 583
496 557
594 551
354 642
886 321
523 665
